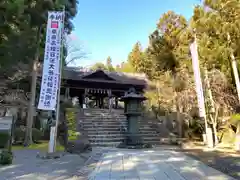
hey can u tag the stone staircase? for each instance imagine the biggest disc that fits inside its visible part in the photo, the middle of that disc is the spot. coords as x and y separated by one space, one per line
105 128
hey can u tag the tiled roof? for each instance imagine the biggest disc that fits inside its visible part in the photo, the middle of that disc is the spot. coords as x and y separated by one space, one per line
124 78
74 73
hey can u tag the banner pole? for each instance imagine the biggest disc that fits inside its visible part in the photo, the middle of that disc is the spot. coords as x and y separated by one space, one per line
198 84
59 86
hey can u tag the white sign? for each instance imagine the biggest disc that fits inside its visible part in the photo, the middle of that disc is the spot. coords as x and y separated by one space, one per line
198 81
51 66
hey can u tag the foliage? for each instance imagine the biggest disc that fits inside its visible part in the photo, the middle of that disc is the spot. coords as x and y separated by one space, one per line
167 61
19 134
6 157
21 24
235 120
4 137
109 64
71 123
98 66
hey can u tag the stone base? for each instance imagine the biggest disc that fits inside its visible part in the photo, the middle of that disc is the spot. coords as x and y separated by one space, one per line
136 146
78 146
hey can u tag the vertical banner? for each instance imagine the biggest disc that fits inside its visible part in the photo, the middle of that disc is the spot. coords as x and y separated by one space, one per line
197 77
51 65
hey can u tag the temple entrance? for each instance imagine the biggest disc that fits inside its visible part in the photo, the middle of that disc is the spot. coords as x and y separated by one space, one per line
99 98
99 89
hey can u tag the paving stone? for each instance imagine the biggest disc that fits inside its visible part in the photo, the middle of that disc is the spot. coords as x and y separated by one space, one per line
156 164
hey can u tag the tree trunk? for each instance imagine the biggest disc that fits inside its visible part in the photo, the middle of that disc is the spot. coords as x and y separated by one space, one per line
179 120
211 108
28 134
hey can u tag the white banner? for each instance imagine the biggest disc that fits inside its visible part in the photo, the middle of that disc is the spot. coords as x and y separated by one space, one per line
198 81
51 66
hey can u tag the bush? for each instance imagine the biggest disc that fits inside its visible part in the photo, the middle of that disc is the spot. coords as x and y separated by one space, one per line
6 157
19 134
36 135
235 119
4 137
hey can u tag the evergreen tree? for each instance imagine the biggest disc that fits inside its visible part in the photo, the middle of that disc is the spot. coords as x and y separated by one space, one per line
109 65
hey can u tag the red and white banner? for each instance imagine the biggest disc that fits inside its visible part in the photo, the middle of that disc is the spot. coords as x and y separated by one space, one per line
51 66
197 77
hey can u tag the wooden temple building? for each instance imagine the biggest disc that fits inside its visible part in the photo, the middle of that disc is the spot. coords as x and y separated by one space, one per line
99 85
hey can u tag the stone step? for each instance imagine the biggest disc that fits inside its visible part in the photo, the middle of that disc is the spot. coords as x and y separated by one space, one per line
118 133
118 139
109 126
103 132
106 139
121 136
97 125
104 122
117 129
116 143
105 135
102 117
100 125
109 119
105 144
101 129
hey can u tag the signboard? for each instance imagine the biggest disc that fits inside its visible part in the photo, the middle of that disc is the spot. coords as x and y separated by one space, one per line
51 66
6 123
197 77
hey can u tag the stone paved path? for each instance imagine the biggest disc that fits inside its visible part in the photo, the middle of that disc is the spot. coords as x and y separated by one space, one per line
155 164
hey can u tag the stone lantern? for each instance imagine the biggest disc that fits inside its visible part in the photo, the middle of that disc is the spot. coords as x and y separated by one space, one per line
133 112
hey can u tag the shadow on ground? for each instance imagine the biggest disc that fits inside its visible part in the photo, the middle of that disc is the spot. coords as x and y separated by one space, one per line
228 163
27 167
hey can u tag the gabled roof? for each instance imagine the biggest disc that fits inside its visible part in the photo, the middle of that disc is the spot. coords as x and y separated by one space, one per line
101 75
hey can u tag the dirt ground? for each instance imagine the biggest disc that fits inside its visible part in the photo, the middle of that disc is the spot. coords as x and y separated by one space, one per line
223 159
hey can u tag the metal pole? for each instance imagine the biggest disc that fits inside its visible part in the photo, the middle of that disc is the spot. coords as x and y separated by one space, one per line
59 86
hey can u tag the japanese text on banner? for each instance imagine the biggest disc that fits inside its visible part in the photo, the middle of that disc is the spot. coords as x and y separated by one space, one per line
50 74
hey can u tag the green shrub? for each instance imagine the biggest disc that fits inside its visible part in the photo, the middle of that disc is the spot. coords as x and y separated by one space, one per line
19 134
4 137
36 135
235 119
6 157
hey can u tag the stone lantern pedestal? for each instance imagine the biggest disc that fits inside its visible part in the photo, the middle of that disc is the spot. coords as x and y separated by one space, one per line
133 112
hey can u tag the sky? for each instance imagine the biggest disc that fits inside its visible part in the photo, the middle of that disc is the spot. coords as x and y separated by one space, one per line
110 28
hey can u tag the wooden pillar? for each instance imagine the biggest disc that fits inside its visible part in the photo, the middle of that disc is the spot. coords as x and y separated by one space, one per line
84 96
101 102
80 100
109 96
116 102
